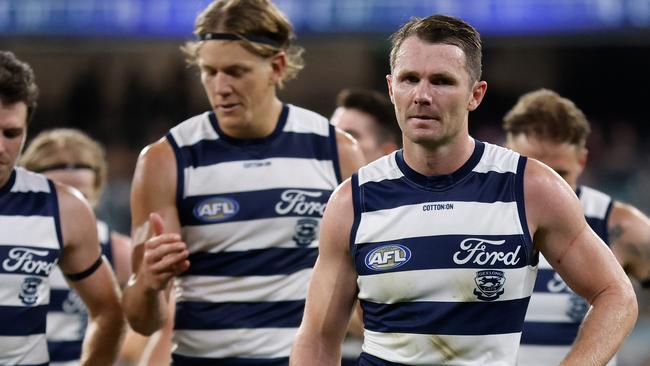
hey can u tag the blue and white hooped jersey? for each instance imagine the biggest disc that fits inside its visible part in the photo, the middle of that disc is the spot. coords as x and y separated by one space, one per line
67 317
445 263
555 311
30 246
250 212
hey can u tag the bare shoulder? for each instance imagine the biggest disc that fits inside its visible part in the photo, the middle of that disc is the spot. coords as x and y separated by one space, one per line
628 217
350 155
74 209
550 202
338 217
156 159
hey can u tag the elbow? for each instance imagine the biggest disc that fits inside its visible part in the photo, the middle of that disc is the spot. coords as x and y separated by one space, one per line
141 324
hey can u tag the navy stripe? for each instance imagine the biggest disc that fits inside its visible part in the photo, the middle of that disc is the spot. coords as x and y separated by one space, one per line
235 315
366 359
287 145
599 226
533 257
180 176
253 205
261 262
26 204
335 153
477 187
356 207
348 362
442 252
247 142
451 318
22 321
31 261
549 334
64 351
179 360
57 297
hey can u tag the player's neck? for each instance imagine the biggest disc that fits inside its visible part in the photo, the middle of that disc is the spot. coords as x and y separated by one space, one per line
442 159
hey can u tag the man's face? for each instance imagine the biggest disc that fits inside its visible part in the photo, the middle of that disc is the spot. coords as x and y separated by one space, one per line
13 131
566 159
240 85
363 127
432 91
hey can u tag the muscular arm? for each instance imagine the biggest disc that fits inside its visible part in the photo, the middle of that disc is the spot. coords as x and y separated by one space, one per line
332 289
99 290
585 263
629 233
159 254
350 155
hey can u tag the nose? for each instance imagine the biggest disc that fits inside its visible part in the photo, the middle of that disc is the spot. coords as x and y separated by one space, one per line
423 94
222 84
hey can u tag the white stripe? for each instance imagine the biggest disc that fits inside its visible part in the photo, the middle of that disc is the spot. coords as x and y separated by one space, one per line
594 203
448 285
412 221
301 120
549 307
64 327
497 159
193 130
424 349
530 355
384 168
244 289
23 350
11 288
251 343
57 280
231 177
27 181
243 235
29 231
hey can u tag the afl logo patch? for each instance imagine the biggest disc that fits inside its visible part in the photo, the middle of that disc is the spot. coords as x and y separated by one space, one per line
388 257
216 209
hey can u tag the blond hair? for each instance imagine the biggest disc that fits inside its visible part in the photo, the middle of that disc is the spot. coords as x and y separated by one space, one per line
67 146
259 18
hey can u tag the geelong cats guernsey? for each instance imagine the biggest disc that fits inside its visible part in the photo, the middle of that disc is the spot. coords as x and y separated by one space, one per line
67 317
445 263
250 212
30 245
555 311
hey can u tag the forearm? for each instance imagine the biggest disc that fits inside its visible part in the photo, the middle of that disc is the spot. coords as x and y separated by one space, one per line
308 351
103 338
612 317
145 309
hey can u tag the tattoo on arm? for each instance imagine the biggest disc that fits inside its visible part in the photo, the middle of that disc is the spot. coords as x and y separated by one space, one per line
615 233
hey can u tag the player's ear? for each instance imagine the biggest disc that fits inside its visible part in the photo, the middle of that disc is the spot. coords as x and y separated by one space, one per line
278 66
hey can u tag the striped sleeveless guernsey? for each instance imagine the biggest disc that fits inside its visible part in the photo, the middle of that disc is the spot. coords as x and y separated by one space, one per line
67 317
30 245
445 263
555 311
250 212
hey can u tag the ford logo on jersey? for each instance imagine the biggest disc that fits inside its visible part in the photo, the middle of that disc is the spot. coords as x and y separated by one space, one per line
216 209
388 257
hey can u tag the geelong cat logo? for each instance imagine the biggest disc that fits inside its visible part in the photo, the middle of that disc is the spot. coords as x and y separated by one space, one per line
216 209
489 285
388 257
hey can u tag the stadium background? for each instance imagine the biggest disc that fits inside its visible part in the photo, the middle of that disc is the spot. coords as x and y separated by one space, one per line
114 69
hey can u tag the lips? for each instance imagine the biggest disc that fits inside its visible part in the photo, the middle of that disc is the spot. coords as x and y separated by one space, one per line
227 107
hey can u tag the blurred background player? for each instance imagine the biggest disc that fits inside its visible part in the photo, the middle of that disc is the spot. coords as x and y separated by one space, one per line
71 157
230 201
545 126
44 223
369 117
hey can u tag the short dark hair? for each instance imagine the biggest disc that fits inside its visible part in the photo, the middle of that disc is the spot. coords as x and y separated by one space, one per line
442 29
378 106
545 114
17 82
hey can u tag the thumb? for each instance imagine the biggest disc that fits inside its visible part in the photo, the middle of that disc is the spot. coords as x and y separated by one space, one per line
156 224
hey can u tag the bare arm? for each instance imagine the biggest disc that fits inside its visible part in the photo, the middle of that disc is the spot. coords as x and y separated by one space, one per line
99 290
158 254
332 289
629 231
585 263
350 155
